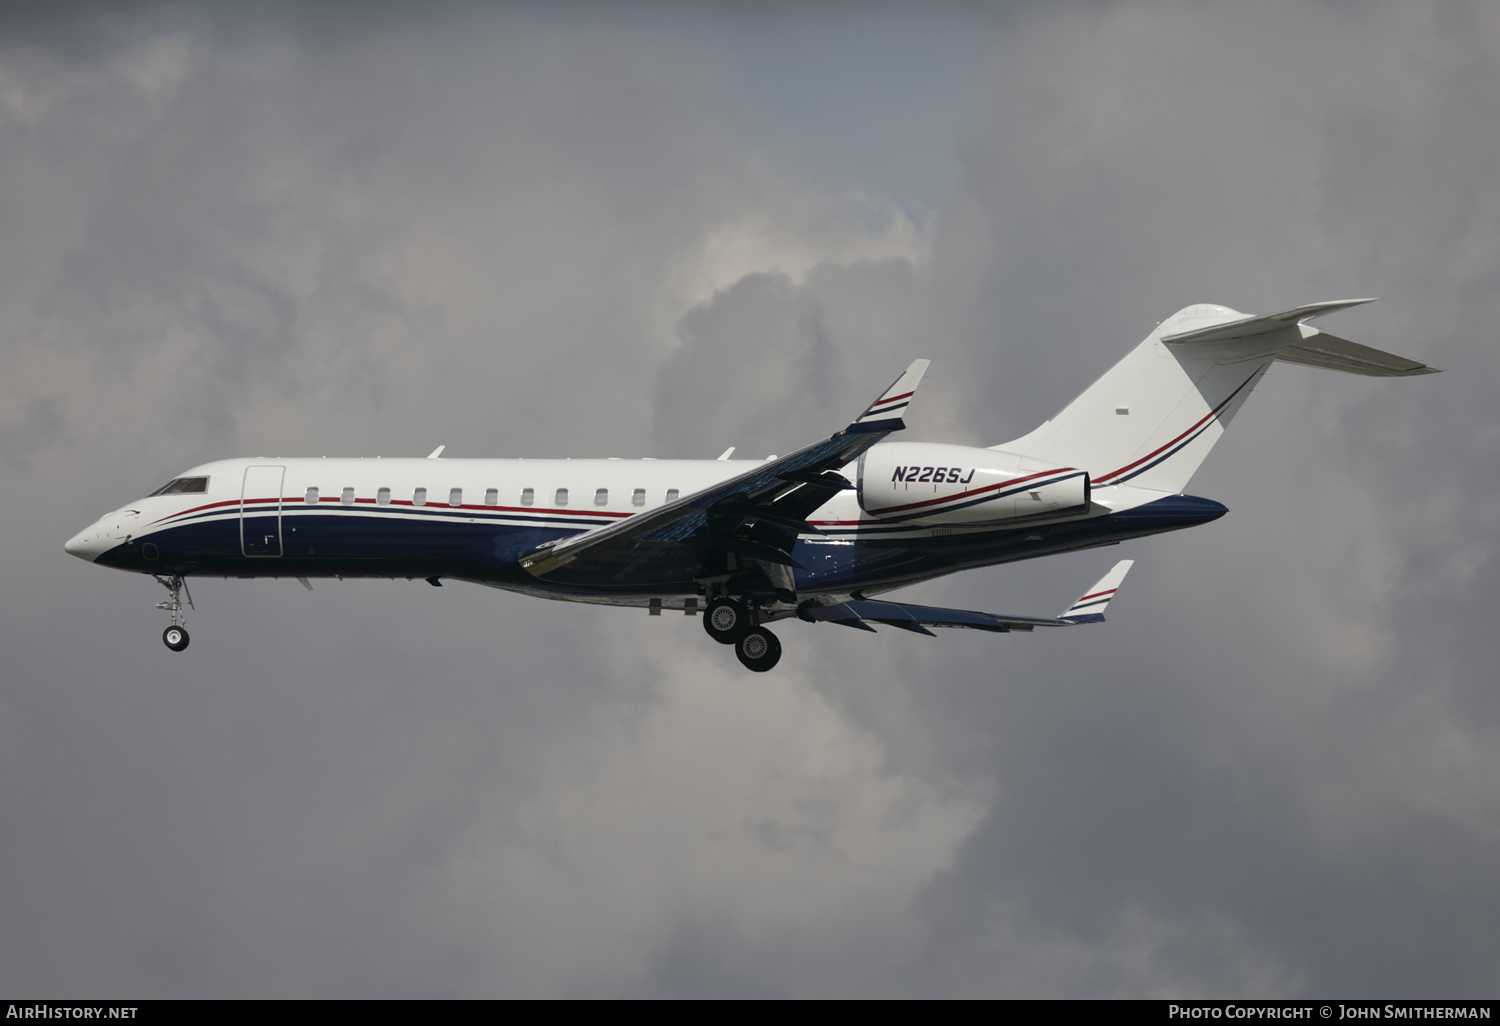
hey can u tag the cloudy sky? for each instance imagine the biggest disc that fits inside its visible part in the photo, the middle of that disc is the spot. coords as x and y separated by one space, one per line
663 229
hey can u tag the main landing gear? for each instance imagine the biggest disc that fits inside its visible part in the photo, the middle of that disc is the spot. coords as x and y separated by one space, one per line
728 622
175 637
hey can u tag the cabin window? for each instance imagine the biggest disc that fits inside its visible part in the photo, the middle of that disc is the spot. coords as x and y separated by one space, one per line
638 497
383 497
183 486
348 497
528 496
419 497
601 496
562 496
311 498
672 494
492 497
455 496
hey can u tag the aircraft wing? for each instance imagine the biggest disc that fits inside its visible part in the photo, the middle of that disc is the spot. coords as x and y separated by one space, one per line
860 613
757 515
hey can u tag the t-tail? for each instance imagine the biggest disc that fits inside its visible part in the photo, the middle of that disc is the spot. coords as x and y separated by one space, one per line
1151 420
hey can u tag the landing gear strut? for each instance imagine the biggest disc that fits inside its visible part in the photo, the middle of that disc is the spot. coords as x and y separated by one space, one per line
176 636
758 650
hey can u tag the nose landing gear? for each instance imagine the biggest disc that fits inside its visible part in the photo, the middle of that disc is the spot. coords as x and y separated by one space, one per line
175 637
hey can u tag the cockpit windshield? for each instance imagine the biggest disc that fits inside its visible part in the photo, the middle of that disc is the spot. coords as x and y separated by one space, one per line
182 486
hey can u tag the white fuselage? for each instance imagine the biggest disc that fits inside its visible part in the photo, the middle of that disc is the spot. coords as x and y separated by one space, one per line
473 519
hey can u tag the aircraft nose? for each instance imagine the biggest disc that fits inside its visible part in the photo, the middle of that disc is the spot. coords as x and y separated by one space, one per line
87 544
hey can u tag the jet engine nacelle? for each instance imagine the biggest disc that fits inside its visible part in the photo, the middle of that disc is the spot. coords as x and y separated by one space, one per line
924 483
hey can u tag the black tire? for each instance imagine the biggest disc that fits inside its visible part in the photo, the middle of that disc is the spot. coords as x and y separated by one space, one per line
726 620
759 650
175 637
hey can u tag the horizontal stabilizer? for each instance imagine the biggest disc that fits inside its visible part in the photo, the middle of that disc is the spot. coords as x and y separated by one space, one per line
1320 349
1246 327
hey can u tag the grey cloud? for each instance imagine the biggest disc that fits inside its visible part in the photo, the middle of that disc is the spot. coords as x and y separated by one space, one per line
1129 189
798 358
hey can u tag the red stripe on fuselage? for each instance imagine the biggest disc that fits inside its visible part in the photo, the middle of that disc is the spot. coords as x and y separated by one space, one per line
196 509
298 500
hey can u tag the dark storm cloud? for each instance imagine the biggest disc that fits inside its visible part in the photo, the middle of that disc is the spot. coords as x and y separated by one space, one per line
1272 772
267 250
1251 785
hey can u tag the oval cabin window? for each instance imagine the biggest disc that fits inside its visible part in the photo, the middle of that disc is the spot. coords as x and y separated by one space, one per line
528 496
455 496
562 496
419 497
601 496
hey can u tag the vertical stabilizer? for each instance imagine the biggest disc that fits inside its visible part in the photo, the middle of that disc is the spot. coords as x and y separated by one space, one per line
1152 419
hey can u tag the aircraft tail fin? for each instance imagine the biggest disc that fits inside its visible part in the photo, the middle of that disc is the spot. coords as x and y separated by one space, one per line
1152 419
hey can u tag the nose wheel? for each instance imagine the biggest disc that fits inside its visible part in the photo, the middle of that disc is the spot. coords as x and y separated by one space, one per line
175 636
758 650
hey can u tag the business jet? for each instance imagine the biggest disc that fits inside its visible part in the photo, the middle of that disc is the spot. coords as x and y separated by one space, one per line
814 535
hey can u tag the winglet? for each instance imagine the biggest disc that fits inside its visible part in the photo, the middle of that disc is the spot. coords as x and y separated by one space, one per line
885 413
1090 608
